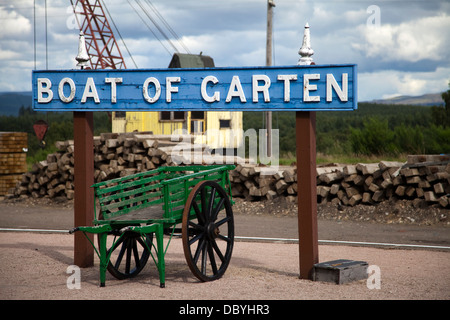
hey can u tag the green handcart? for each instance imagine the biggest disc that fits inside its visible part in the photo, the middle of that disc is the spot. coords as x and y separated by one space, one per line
135 209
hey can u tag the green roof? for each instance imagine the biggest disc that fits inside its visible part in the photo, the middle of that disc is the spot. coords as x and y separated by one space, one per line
184 60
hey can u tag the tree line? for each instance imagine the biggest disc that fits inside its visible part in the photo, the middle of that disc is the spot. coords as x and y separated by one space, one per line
60 128
373 129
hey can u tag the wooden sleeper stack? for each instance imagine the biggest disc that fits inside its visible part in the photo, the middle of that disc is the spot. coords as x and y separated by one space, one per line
422 178
417 180
115 155
13 159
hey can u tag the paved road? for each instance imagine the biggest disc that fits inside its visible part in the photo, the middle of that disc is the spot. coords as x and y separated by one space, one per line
46 217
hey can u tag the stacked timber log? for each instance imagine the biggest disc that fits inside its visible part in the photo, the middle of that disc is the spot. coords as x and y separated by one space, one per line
415 180
259 182
13 159
421 179
115 155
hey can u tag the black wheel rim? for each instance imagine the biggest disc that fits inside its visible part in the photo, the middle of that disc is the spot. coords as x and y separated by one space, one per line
208 231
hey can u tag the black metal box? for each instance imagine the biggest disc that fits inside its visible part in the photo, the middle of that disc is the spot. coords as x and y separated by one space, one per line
340 271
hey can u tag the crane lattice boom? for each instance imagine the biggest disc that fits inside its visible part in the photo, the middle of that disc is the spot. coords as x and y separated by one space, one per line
100 42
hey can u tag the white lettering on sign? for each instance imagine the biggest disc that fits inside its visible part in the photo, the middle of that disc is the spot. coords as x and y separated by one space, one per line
287 78
61 90
310 87
169 88
113 82
209 88
342 93
205 96
90 91
257 88
235 90
44 90
157 86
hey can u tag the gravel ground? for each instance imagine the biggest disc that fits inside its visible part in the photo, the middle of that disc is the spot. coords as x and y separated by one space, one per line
34 266
387 212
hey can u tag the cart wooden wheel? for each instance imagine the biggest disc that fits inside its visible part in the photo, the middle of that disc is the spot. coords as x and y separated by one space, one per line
129 255
208 231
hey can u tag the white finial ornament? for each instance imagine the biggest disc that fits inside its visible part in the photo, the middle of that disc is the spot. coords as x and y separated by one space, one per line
305 51
82 56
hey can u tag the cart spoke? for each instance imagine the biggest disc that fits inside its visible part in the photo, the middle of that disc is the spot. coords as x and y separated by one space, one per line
212 260
116 244
136 253
194 239
200 246
211 203
228 240
196 226
120 256
217 209
203 268
217 250
203 201
221 222
128 261
142 243
197 211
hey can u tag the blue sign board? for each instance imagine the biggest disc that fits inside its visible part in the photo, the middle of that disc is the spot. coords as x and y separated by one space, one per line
290 88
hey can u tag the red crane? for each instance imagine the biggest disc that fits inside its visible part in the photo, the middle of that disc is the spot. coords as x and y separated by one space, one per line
100 42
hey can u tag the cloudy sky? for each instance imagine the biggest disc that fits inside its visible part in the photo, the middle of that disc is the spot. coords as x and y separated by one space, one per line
401 47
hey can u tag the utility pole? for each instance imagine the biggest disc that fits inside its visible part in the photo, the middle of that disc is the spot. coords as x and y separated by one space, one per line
270 5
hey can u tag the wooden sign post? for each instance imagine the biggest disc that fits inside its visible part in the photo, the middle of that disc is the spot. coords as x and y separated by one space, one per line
305 126
83 178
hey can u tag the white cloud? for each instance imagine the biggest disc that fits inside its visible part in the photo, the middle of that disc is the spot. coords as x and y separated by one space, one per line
8 55
412 41
14 24
231 48
389 83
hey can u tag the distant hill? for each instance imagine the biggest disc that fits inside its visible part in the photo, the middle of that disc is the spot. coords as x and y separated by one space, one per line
430 99
10 102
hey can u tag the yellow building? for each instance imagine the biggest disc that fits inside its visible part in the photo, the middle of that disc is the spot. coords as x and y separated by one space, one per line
217 129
